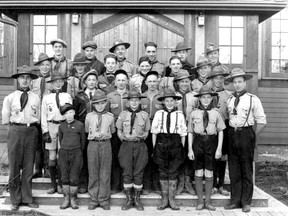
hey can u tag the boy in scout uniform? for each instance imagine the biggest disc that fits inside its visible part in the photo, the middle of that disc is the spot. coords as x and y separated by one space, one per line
119 49
50 121
72 140
244 110
99 124
205 136
220 101
21 109
151 53
106 81
169 131
90 48
133 126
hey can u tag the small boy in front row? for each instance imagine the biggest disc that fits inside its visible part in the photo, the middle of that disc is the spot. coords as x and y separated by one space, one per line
72 142
205 137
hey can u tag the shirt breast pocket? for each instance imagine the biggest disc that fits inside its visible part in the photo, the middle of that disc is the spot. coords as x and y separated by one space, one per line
126 127
35 110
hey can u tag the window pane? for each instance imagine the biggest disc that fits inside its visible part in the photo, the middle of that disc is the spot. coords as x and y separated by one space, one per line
37 49
284 52
275 66
224 21
284 25
275 39
276 25
38 34
284 13
237 36
237 21
237 55
49 50
51 20
284 67
224 55
276 16
224 36
39 19
284 39
51 33
275 52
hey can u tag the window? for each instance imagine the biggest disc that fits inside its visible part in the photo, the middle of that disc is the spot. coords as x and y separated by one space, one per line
231 39
44 30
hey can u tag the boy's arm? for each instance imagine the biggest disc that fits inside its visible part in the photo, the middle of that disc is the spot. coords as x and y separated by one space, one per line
218 153
190 149
183 138
154 138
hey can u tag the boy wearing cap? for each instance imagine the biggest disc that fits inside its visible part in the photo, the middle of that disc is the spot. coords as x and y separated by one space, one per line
133 126
106 81
72 140
169 131
244 109
119 49
90 48
60 63
151 53
205 136
74 81
21 109
220 101
50 121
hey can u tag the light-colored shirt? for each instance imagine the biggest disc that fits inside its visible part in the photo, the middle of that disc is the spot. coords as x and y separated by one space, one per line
191 103
73 86
65 67
222 102
128 66
36 86
136 82
165 83
151 106
197 84
11 111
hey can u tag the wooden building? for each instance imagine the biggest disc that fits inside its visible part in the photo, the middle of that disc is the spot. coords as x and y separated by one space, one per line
243 30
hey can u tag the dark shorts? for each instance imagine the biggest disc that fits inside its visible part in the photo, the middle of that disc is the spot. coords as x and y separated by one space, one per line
204 148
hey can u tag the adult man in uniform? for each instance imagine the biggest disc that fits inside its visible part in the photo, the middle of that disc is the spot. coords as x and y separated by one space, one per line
244 110
151 52
21 109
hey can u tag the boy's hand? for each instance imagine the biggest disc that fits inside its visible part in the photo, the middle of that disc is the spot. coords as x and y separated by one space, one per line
218 154
191 155
47 137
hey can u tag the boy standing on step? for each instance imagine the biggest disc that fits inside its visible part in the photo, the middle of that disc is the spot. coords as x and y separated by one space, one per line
72 142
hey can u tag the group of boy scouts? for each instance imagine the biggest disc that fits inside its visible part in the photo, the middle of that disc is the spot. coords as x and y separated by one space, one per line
103 128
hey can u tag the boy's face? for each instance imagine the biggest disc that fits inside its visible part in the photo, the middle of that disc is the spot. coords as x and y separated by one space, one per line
58 49
152 82
120 51
24 80
110 65
206 99
213 56
57 84
144 67
218 81
151 53
89 52
134 103
184 84
91 82
182 54
69 115
175 65
121 81
169 103
239 84
45 67
80 68
204 71
100 106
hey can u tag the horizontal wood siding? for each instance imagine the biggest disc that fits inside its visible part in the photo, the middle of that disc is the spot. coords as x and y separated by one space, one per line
275 103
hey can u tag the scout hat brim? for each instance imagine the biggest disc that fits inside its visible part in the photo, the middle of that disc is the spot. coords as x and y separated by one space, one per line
136 96
246 77
85 62
217 74
99 100
181 78
205 93
112 49
166 96
176 50
33 76
55 77
197 67
46 59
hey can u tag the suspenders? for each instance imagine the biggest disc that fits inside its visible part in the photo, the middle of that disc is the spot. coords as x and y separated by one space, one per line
162 123
246 121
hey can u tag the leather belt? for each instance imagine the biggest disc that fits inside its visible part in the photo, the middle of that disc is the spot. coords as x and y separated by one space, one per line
34 124
241 128
103 140
56 122
137 141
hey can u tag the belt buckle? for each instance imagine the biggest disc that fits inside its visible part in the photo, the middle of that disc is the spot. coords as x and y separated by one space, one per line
28 124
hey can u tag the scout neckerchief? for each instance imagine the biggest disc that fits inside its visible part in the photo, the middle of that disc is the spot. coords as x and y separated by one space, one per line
43 84
237 99
168 120
184 100
58 62
133 116
110 77
153 62
205 114
121 61
203 80
99 118
23 97
144 87
57 96
216 98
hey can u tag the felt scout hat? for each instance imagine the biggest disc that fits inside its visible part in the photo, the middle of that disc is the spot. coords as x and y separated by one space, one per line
117 43
202 61
181 46
66 107
91 72
134 93
150 44
218 70
152 73
91 44
238 72
56 76
182 74
43 57
24 70
99 96
59 41
121 71
205 89
169 93
80 58
35 70
211 47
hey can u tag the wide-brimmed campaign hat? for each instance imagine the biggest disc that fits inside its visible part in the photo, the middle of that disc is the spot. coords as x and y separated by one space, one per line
57 40
202 61
99 96
181 46
117 43
91 44
43 57
217 71
80 58
56 76
238 72
24 70
91 72
66 107
205 89
134 93
182 74
169 93
211 47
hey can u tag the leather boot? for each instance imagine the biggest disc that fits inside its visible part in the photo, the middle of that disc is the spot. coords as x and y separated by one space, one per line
129 199
164 190
172 191
138 205
73 198
181 183
188 186
66 192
